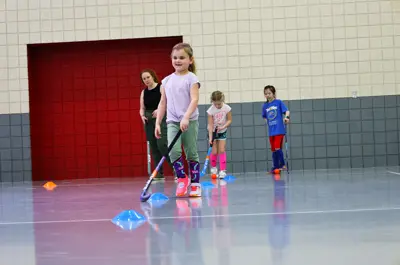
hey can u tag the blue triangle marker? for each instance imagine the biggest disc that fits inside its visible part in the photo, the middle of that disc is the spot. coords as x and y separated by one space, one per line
229 178
130 226
207 184
158 197
158 200
129 220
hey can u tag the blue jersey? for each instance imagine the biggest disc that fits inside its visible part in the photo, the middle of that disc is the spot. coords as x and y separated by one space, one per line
273 113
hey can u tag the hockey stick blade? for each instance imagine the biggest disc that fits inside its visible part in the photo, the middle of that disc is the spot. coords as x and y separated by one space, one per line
144 196
203 172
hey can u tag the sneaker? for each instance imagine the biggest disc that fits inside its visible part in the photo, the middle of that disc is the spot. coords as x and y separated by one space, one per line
273 170
222 174
214 172
195 190
182 187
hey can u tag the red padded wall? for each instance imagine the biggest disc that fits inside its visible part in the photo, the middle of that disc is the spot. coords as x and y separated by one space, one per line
84 106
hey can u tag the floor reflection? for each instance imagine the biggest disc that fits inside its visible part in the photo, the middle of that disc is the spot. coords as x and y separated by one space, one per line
278 231
256 219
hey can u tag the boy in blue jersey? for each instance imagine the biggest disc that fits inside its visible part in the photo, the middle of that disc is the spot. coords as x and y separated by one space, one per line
276 114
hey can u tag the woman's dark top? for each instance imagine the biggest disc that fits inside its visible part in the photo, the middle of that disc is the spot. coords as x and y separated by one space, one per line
152 97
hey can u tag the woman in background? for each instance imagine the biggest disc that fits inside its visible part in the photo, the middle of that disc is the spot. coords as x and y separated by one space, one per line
149 99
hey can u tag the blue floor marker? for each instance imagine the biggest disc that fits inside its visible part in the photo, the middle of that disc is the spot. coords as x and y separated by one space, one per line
229 178
129 220
158 197
158 200
207 184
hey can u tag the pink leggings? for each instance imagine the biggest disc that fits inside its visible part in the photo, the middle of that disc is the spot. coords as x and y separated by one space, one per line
222 160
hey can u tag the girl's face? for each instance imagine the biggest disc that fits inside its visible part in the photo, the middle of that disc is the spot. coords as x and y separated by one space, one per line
181 60
218 104
269 95
147 79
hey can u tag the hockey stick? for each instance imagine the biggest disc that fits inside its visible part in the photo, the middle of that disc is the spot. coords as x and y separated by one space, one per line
286 151
203 172
268 152
144 196
148 159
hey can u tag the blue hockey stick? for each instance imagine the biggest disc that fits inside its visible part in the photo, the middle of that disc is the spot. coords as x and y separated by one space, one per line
203 172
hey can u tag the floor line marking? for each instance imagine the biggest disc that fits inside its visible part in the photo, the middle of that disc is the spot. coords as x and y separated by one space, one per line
134 181
393 172
212 216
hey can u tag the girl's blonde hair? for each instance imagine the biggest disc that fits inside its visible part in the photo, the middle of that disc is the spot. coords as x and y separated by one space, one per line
217 96
188 49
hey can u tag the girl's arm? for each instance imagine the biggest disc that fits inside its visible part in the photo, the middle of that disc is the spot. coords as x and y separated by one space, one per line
161 107
263 114
286 119
229 119
284 110
194 97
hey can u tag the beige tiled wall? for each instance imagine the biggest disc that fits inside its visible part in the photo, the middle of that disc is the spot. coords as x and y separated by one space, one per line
306 48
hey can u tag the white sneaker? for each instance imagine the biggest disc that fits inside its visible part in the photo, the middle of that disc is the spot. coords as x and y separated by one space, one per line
214 170
195 190
222 174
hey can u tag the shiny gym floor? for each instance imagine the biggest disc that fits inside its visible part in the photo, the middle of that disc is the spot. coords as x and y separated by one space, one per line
307 217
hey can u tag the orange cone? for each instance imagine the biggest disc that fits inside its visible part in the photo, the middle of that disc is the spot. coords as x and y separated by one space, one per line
50 185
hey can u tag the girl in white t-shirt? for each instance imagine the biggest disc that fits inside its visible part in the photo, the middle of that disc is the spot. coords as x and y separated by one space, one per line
220 117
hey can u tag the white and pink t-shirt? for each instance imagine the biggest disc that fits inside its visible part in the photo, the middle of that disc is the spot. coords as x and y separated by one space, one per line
219 115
